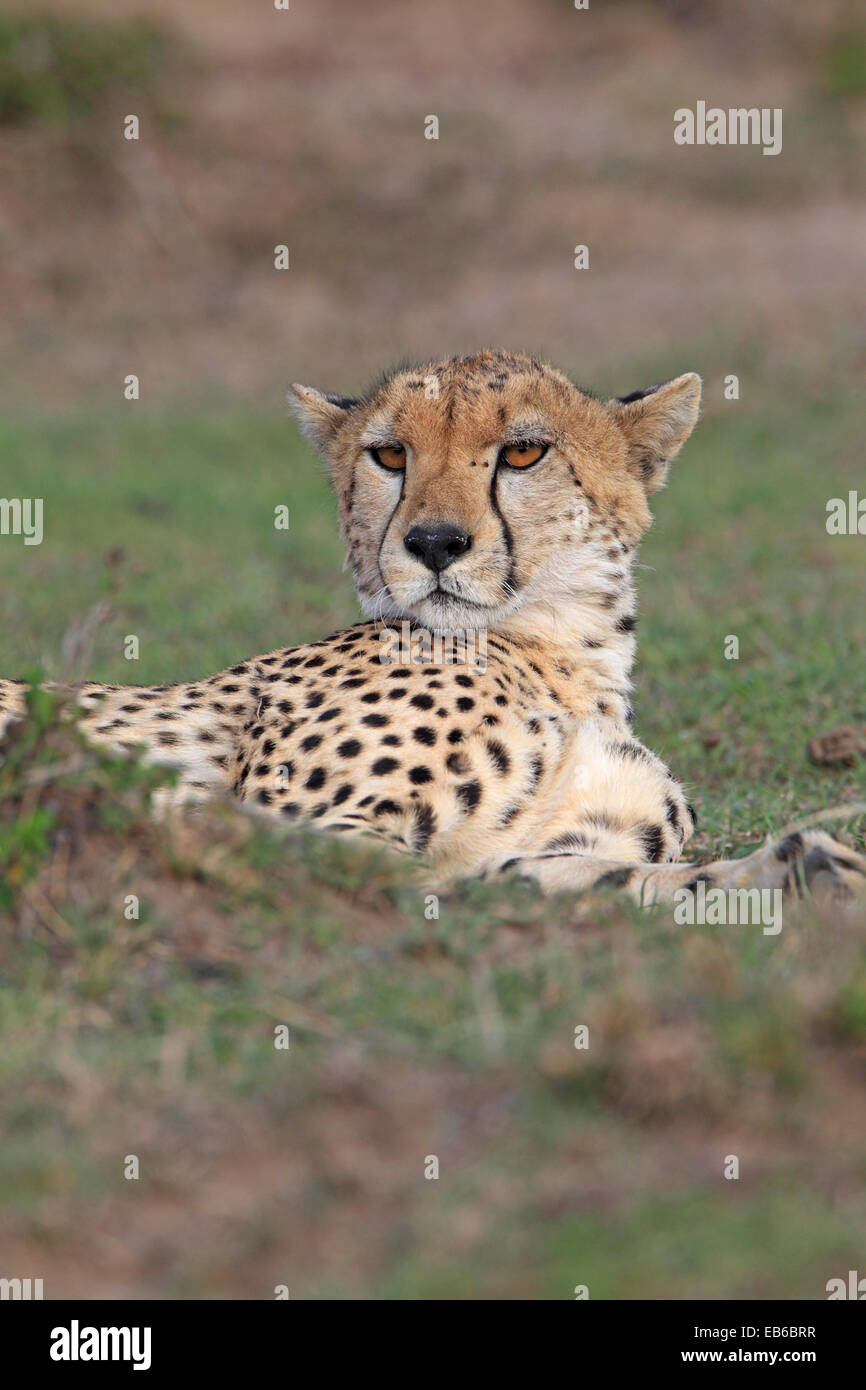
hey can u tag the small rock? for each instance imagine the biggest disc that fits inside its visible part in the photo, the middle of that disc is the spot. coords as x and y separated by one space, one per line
840 745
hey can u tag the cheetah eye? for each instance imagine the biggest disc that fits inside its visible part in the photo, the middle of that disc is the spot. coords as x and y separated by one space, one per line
523 453
391 456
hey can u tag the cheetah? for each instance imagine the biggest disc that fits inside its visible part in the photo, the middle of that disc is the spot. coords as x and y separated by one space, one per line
479 717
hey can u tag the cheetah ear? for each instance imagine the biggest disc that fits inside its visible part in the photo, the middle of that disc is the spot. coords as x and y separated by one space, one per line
319 417
656 423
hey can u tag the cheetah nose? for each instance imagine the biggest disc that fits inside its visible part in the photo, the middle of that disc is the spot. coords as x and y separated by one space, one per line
437 547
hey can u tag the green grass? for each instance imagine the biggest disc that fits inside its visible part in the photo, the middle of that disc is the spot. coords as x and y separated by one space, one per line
60 68
411 1037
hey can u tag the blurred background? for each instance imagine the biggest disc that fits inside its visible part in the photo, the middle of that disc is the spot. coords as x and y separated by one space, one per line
414 1036
306 127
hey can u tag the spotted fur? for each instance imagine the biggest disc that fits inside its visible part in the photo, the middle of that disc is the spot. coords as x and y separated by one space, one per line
523 760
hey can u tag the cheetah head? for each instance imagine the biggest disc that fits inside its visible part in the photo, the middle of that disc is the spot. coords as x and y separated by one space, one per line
478 488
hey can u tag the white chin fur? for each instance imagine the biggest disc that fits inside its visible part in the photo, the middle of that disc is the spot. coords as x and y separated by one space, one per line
437 615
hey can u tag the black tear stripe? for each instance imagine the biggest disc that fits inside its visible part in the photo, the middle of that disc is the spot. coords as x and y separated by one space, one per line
388 526
506 533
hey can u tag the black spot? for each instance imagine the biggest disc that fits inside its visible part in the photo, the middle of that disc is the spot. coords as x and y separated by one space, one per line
455 736
424 734
316 779
572 839
384 765
422 701
397 693
326 715
385 808
629 750
264 797
652 839
465 702
420 775
313 701
424 826
349 748
498 755
309 743
342 794
376 721
372 697
614 878
470 794
789 848
353 683
692 884
464 680
627 623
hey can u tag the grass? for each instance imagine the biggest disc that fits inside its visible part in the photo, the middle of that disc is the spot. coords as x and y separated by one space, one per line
453 1036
